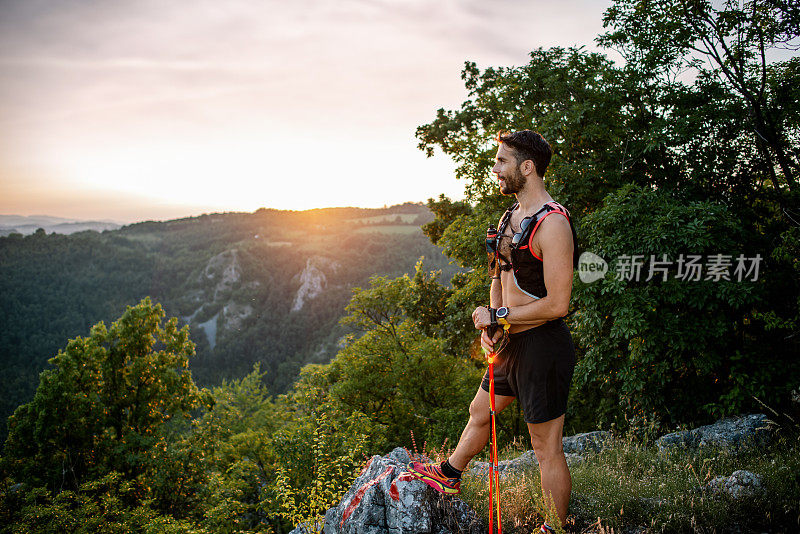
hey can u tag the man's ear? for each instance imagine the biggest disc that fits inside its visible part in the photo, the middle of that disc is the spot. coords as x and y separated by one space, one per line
527 167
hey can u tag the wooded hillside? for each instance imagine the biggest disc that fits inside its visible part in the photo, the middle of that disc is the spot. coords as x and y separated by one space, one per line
266 287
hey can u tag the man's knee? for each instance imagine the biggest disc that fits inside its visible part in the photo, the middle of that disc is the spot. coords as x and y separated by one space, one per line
479 412
547 449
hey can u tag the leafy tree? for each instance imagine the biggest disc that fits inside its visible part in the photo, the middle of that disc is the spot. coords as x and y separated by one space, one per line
100 505
568 96
399 375
107 406
714 150
673 346
728 46
239 433
319 461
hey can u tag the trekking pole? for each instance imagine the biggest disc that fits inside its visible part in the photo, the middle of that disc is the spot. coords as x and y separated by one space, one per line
494 473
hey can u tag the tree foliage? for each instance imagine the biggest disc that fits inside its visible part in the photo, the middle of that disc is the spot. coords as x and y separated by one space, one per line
669 345
103 406
728 46
690 146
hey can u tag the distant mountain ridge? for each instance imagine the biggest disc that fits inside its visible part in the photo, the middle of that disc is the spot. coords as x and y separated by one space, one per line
28 224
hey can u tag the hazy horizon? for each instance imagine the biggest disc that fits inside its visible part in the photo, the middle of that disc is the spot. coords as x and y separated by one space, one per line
193 214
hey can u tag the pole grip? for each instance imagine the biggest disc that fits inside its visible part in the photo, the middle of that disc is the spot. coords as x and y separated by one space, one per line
492 328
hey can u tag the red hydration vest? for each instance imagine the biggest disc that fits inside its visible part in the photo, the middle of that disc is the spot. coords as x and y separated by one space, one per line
528 269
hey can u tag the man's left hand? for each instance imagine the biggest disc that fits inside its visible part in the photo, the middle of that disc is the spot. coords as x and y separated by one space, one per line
481 317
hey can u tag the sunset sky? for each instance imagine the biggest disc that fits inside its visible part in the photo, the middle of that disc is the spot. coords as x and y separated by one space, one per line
133 110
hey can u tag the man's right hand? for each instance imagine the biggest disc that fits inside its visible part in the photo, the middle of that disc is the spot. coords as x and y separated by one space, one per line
488 343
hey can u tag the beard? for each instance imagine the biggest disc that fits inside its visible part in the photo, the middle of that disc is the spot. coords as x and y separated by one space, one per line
513 184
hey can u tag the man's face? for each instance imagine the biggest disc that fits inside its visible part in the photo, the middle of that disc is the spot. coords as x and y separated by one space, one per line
507 170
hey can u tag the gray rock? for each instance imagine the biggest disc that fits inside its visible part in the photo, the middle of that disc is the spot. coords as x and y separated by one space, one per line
739 485
586 442
524 462
312 280
732 433
399 455
573 459
384 499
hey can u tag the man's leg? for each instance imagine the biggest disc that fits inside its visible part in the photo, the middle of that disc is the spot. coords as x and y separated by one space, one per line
479 428
556 480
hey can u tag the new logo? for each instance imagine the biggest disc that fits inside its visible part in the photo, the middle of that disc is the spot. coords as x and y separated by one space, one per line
591 267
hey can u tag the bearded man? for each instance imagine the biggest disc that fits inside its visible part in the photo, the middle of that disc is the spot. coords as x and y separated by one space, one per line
535 254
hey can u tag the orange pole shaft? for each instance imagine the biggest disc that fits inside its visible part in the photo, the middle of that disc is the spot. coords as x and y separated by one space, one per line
491 449
494 474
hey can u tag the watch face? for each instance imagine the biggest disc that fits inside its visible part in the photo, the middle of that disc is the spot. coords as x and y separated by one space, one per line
502 312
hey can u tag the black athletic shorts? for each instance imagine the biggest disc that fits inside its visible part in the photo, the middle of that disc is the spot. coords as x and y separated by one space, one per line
536 367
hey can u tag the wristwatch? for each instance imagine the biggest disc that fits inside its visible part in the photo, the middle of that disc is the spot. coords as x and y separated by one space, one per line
502 316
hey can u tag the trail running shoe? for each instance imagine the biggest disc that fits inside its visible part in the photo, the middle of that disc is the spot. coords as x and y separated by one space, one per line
431 474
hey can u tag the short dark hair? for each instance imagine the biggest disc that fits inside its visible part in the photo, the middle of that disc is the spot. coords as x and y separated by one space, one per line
528 145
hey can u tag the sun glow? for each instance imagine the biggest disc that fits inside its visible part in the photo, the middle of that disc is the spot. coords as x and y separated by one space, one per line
250 171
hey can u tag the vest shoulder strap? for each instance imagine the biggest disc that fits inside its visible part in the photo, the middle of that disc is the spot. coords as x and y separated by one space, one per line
555 207
506 219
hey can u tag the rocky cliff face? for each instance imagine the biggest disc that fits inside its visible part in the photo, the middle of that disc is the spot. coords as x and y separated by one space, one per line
224 272
312 280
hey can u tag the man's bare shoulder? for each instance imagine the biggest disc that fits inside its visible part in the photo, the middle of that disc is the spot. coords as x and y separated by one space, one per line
553 232
556 222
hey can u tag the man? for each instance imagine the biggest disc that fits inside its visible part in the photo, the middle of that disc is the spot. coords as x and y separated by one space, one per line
529 295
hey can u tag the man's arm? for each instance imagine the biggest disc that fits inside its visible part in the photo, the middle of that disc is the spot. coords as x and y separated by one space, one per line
496 293
555 238
496 288
495 301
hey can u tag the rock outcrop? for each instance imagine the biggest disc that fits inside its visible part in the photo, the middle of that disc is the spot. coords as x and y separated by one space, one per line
741 484
575 448
586 442
312 280
384 498
224 270
731 433
221 275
